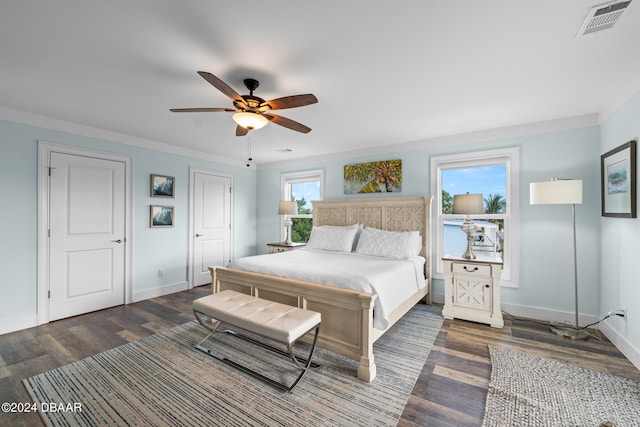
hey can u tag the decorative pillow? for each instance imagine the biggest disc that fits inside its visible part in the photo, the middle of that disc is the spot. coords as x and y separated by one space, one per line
389 244
336 238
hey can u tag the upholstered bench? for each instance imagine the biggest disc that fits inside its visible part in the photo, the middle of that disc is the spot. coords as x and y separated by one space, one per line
279 322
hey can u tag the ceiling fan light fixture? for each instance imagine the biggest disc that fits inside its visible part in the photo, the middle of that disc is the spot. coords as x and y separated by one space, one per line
250 120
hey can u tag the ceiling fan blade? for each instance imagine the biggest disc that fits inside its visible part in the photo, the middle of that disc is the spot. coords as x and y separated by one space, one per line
289 102
288 123
199 110
222 87
240 131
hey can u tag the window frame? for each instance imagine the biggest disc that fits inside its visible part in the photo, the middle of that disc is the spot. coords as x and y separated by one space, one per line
510 158
288 178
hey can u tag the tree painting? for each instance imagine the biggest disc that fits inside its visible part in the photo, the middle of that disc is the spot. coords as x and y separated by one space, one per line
373 177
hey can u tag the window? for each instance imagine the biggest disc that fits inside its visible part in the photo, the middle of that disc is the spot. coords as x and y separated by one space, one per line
302 187
494 174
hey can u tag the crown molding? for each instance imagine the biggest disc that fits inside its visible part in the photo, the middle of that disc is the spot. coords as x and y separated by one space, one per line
556 125
93 132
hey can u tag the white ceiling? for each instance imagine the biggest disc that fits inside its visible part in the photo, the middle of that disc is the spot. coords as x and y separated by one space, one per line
385 72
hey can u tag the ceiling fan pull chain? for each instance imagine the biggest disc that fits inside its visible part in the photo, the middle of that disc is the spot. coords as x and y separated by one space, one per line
250 159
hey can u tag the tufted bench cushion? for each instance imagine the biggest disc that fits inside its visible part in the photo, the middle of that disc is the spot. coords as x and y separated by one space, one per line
279 322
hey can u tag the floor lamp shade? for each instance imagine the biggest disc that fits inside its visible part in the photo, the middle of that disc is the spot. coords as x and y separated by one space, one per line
556 192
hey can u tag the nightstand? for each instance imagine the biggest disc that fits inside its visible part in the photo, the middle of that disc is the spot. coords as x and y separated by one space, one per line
284 247
472 289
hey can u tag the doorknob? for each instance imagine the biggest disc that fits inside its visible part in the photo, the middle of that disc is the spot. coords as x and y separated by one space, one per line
117 241
199 235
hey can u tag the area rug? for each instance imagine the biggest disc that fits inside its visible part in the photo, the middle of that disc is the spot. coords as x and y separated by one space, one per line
526 390
161 380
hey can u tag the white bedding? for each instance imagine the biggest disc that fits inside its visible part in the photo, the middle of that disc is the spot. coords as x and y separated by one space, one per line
393 280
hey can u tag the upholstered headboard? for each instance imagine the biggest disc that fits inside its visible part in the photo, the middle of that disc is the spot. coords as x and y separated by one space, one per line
389 213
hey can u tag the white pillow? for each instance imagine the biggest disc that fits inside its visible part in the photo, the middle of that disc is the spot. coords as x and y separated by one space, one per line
355 239
389 244
336 238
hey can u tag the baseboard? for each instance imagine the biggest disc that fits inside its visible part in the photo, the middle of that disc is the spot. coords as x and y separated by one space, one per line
536 313
18 323
547 314
621 343
161 291
25 322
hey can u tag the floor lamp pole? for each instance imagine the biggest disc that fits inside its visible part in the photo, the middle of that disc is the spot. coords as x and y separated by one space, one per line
573 332
575 260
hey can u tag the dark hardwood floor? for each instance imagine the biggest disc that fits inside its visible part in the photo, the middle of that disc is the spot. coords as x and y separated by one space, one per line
451 389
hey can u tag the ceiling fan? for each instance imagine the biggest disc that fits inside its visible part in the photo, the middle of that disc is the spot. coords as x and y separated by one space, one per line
252 112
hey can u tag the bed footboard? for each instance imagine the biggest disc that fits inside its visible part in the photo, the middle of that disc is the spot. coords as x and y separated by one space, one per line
338 307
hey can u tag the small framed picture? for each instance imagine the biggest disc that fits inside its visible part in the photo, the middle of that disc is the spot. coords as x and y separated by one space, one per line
162 186
618 181
161 216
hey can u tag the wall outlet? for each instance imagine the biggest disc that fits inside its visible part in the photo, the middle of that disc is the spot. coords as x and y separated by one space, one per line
624 312
161 272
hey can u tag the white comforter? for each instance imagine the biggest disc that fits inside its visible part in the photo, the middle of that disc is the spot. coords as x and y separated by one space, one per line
393 280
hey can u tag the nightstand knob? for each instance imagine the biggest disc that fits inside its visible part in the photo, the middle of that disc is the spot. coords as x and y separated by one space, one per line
487 286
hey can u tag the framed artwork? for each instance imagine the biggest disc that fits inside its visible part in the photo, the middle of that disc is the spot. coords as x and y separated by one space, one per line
162 186
618 181
161 216
373 177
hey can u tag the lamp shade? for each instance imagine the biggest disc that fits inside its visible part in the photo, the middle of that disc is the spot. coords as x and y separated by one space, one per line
556 192
287 208
468 204
250 120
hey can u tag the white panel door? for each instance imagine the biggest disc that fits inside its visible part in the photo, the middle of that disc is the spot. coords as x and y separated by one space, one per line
212 225
87 229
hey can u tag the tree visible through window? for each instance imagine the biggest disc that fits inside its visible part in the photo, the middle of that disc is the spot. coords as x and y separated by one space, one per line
301 227
302 188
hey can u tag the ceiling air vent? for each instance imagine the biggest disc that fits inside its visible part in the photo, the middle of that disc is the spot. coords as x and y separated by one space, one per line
602 17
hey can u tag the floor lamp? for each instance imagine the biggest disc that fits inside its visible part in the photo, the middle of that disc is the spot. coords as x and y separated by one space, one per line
562 192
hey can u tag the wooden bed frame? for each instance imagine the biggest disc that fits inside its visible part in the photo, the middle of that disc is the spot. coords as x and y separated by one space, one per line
347 315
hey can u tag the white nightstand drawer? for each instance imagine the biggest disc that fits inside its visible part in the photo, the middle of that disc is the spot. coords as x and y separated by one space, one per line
470 268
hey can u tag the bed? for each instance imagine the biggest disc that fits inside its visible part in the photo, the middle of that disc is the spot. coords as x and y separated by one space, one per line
348 326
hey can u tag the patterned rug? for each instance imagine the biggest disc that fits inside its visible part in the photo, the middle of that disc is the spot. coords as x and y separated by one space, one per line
161 380
531 391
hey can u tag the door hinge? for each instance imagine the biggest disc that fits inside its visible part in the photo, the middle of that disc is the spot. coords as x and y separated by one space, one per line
49 294
49 233
50 169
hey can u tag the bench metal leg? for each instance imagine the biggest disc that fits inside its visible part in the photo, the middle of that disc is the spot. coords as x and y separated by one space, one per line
303 364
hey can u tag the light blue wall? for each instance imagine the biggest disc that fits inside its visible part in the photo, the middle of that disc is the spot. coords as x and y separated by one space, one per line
152 248
607 246
620 264
546 277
